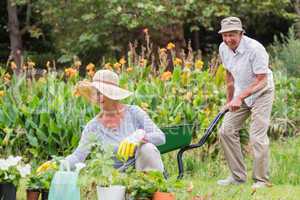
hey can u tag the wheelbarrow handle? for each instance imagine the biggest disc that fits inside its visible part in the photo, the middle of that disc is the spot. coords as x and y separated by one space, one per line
201 142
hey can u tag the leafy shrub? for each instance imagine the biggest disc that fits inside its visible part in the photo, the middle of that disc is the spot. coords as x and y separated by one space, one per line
286 55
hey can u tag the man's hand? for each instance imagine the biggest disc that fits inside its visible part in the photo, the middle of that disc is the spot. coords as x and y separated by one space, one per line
128 145
234 104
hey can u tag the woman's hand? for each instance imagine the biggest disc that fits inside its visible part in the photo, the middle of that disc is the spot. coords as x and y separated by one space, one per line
127 146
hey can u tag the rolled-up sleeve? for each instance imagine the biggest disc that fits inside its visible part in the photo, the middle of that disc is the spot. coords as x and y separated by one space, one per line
153 134
260 61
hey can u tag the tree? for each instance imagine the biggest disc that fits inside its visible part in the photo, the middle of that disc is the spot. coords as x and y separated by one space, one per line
93 28
296 4
14 33
17 28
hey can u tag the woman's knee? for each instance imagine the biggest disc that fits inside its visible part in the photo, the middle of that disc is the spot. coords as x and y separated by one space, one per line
148 149
148 158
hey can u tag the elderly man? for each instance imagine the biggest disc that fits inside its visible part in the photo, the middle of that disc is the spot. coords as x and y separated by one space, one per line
250 92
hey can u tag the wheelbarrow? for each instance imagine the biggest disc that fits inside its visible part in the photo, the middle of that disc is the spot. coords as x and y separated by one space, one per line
180 137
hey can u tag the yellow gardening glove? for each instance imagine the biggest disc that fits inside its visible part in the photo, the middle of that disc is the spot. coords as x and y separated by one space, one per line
126 149
127 146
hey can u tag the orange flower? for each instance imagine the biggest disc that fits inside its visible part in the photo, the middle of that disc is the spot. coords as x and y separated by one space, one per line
129 69
145 30
143 62
162 50
117 65
166 76
177 61
122 61
90 67
188 64
70 72
170 46
13 65
107 66
7 78
30 64
199 64
76 92
77 64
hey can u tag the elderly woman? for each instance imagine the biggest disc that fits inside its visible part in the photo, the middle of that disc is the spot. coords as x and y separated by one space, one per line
126 127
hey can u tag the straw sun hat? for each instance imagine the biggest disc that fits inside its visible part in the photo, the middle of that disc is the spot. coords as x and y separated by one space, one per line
104 81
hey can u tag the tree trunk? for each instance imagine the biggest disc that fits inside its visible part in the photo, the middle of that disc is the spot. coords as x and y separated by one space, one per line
14 34
172 33
297 24
196 42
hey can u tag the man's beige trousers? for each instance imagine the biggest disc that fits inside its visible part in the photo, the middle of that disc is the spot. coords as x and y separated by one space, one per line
260 113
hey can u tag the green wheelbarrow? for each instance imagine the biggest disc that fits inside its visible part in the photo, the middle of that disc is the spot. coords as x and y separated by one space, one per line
180 137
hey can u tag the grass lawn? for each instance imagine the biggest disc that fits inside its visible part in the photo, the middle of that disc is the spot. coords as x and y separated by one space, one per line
284 175
201 177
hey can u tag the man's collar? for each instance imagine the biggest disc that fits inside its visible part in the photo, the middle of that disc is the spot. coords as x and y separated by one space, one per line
241 48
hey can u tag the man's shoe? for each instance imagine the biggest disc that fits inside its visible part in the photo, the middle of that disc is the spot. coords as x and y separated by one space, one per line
259 184
229 181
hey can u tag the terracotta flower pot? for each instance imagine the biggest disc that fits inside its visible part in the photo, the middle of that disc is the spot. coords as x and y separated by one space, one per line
163 196
33 194
8 191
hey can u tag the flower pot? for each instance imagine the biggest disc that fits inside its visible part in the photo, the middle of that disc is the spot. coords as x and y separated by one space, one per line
33 194
8 191
114 192
45 194
163 196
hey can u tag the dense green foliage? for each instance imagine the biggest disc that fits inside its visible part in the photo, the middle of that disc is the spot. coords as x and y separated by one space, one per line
287 55
40 118
94 28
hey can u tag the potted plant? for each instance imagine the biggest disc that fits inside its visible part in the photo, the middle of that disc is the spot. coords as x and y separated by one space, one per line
99 174
11 171
44 175
151 185
34 186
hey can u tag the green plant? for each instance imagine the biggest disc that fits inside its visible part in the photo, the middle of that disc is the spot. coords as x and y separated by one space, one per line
144 184
99 168
12 170
286 55
34 182
41 178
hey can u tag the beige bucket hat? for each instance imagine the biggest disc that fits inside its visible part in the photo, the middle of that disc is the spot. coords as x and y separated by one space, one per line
104 81
231 24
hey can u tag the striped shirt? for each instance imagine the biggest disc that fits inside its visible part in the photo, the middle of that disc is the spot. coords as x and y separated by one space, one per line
134 118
